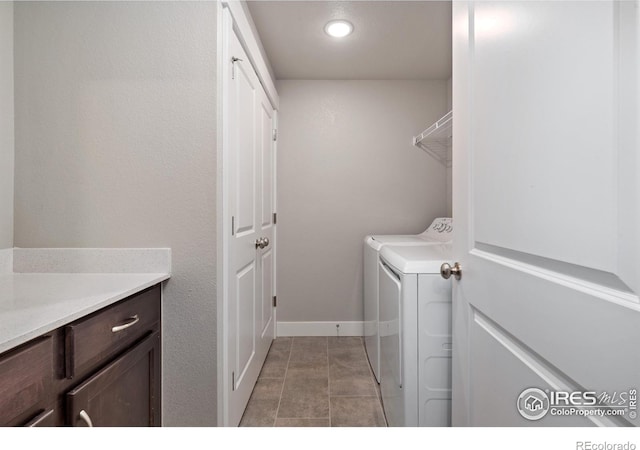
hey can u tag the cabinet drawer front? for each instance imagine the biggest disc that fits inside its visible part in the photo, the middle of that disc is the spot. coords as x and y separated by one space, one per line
26 375
44 419
92 340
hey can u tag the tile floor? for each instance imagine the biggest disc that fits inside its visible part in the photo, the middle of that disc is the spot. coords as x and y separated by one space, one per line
315 382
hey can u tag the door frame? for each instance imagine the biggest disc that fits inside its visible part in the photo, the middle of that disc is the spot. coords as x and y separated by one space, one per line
232 17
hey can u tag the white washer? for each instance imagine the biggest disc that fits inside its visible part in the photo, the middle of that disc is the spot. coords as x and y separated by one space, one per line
415 335
439 231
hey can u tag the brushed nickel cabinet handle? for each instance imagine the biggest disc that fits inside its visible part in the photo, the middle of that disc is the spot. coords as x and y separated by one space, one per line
132 321
85 418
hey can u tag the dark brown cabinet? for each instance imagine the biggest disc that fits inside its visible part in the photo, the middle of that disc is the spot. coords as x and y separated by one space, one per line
101 370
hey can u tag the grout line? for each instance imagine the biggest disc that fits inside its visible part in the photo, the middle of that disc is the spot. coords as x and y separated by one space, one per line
304 418
355 395
328 382
275 420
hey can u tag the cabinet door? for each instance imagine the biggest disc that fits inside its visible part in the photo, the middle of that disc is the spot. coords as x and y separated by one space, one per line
126 393
26 375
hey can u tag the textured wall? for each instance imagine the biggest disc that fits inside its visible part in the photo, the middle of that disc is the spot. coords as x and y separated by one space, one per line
116 147
6 125
347 168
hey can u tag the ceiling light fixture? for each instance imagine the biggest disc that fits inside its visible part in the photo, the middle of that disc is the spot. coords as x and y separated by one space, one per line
338 28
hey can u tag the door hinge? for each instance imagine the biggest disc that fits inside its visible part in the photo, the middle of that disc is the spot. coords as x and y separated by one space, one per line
234 60
275 134
233 225
233 381
275 218
275 301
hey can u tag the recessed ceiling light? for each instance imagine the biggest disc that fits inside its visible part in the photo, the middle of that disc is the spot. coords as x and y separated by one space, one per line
338 28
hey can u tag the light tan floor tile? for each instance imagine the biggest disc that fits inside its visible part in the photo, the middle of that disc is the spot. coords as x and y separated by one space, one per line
356 412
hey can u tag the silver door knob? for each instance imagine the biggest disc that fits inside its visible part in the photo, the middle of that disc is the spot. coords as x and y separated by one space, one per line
446 271
262 242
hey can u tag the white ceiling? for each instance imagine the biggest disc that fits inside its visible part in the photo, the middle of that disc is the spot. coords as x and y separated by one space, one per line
391 39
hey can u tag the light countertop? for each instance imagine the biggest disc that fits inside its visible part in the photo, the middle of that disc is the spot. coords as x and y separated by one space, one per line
32 304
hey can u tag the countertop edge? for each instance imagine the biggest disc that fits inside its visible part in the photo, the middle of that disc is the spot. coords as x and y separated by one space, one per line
63 319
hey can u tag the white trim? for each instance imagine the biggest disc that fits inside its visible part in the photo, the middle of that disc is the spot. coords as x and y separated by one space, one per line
92 260
275 225
225 24
6 260
251 45
320 328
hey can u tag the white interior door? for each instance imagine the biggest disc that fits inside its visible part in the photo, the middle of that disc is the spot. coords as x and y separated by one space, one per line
547 210
250 259
266 183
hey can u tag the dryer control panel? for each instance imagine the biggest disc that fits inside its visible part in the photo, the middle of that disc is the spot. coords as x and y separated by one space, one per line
441 229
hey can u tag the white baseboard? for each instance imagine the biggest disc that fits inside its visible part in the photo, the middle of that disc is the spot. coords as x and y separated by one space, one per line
320 329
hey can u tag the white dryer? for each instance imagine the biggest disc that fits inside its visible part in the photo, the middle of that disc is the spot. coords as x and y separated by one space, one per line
415 335
440 231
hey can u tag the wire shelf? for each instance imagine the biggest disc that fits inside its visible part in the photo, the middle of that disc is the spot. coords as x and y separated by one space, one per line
436 140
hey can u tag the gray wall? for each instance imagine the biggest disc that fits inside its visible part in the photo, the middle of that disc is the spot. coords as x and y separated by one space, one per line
6 125
347 168
116 147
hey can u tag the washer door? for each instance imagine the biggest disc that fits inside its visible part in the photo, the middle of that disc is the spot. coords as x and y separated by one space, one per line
390 291
371 308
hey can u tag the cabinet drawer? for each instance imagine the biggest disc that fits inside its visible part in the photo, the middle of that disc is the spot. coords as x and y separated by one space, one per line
26 376
44 419
92 340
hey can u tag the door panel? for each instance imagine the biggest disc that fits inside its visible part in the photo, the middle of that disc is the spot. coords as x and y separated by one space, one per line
518 367
244 185
266 148
539 186
246 304
532 61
